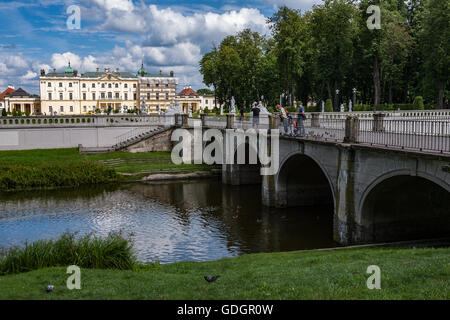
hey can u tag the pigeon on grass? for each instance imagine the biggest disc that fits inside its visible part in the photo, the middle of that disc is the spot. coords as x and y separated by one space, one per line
211 278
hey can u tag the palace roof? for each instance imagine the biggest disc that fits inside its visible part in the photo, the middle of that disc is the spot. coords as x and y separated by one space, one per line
6 92
20 93
100 74
188 92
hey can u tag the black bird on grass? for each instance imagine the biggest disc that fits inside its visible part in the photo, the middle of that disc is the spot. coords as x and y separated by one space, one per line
211 278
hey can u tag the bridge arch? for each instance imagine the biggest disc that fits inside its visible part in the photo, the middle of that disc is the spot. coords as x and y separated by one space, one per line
401 206
303 181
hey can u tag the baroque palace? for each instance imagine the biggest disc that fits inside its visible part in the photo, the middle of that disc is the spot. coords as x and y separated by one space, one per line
72 93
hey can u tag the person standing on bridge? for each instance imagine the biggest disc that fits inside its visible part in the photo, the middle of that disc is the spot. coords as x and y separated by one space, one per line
300 119
284 118
242 113
255 111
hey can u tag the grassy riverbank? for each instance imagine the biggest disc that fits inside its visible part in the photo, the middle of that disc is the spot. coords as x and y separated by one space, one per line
46 169
336 274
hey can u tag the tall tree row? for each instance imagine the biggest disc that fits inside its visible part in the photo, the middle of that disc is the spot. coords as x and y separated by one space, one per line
326 52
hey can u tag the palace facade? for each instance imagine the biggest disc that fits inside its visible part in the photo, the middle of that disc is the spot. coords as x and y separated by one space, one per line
72 93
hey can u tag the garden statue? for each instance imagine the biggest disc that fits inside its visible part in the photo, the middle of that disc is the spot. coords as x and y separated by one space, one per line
263 110
233 108
350 106
323 106
173 109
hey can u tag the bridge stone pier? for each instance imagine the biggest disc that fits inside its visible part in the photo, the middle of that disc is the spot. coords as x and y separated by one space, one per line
377 194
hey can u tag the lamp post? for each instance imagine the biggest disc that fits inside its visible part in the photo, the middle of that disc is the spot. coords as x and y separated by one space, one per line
354 97
337 100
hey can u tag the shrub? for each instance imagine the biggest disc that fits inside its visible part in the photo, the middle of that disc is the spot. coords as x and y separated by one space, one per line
4 113
206 110
44 176
311 109
329 106
112 252
418 103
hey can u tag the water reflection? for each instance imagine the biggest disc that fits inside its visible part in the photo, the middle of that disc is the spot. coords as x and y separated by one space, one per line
169 222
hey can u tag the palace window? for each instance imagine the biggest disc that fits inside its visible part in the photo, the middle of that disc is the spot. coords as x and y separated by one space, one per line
93 85
117 95
60 84
93 96
61 96
109 85
148 85
103 95
84 109
157 85
134 85
125 85
103 85
84 85
49 96
134 96
61 109
167 85
70 96
167 96
71 108
148 96
49 84
109 95
50 109
157 96
84 96
126 96
70 84
117 85
206 101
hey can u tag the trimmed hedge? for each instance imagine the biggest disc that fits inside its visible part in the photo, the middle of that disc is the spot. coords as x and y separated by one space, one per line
54 175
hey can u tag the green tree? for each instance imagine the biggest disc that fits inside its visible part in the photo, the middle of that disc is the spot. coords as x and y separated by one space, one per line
334 27
205 92
435 45
290 35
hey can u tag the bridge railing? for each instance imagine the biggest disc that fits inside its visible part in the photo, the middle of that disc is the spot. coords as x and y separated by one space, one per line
423 135
86 121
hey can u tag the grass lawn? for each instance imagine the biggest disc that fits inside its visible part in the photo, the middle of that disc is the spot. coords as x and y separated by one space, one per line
335 274
122 162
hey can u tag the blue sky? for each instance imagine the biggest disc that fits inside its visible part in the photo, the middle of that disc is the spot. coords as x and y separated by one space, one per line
167 35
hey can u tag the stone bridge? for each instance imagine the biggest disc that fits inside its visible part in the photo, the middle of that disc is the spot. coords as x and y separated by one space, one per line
377 194
395 186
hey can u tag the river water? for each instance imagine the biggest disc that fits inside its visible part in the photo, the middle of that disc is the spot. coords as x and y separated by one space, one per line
169 221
